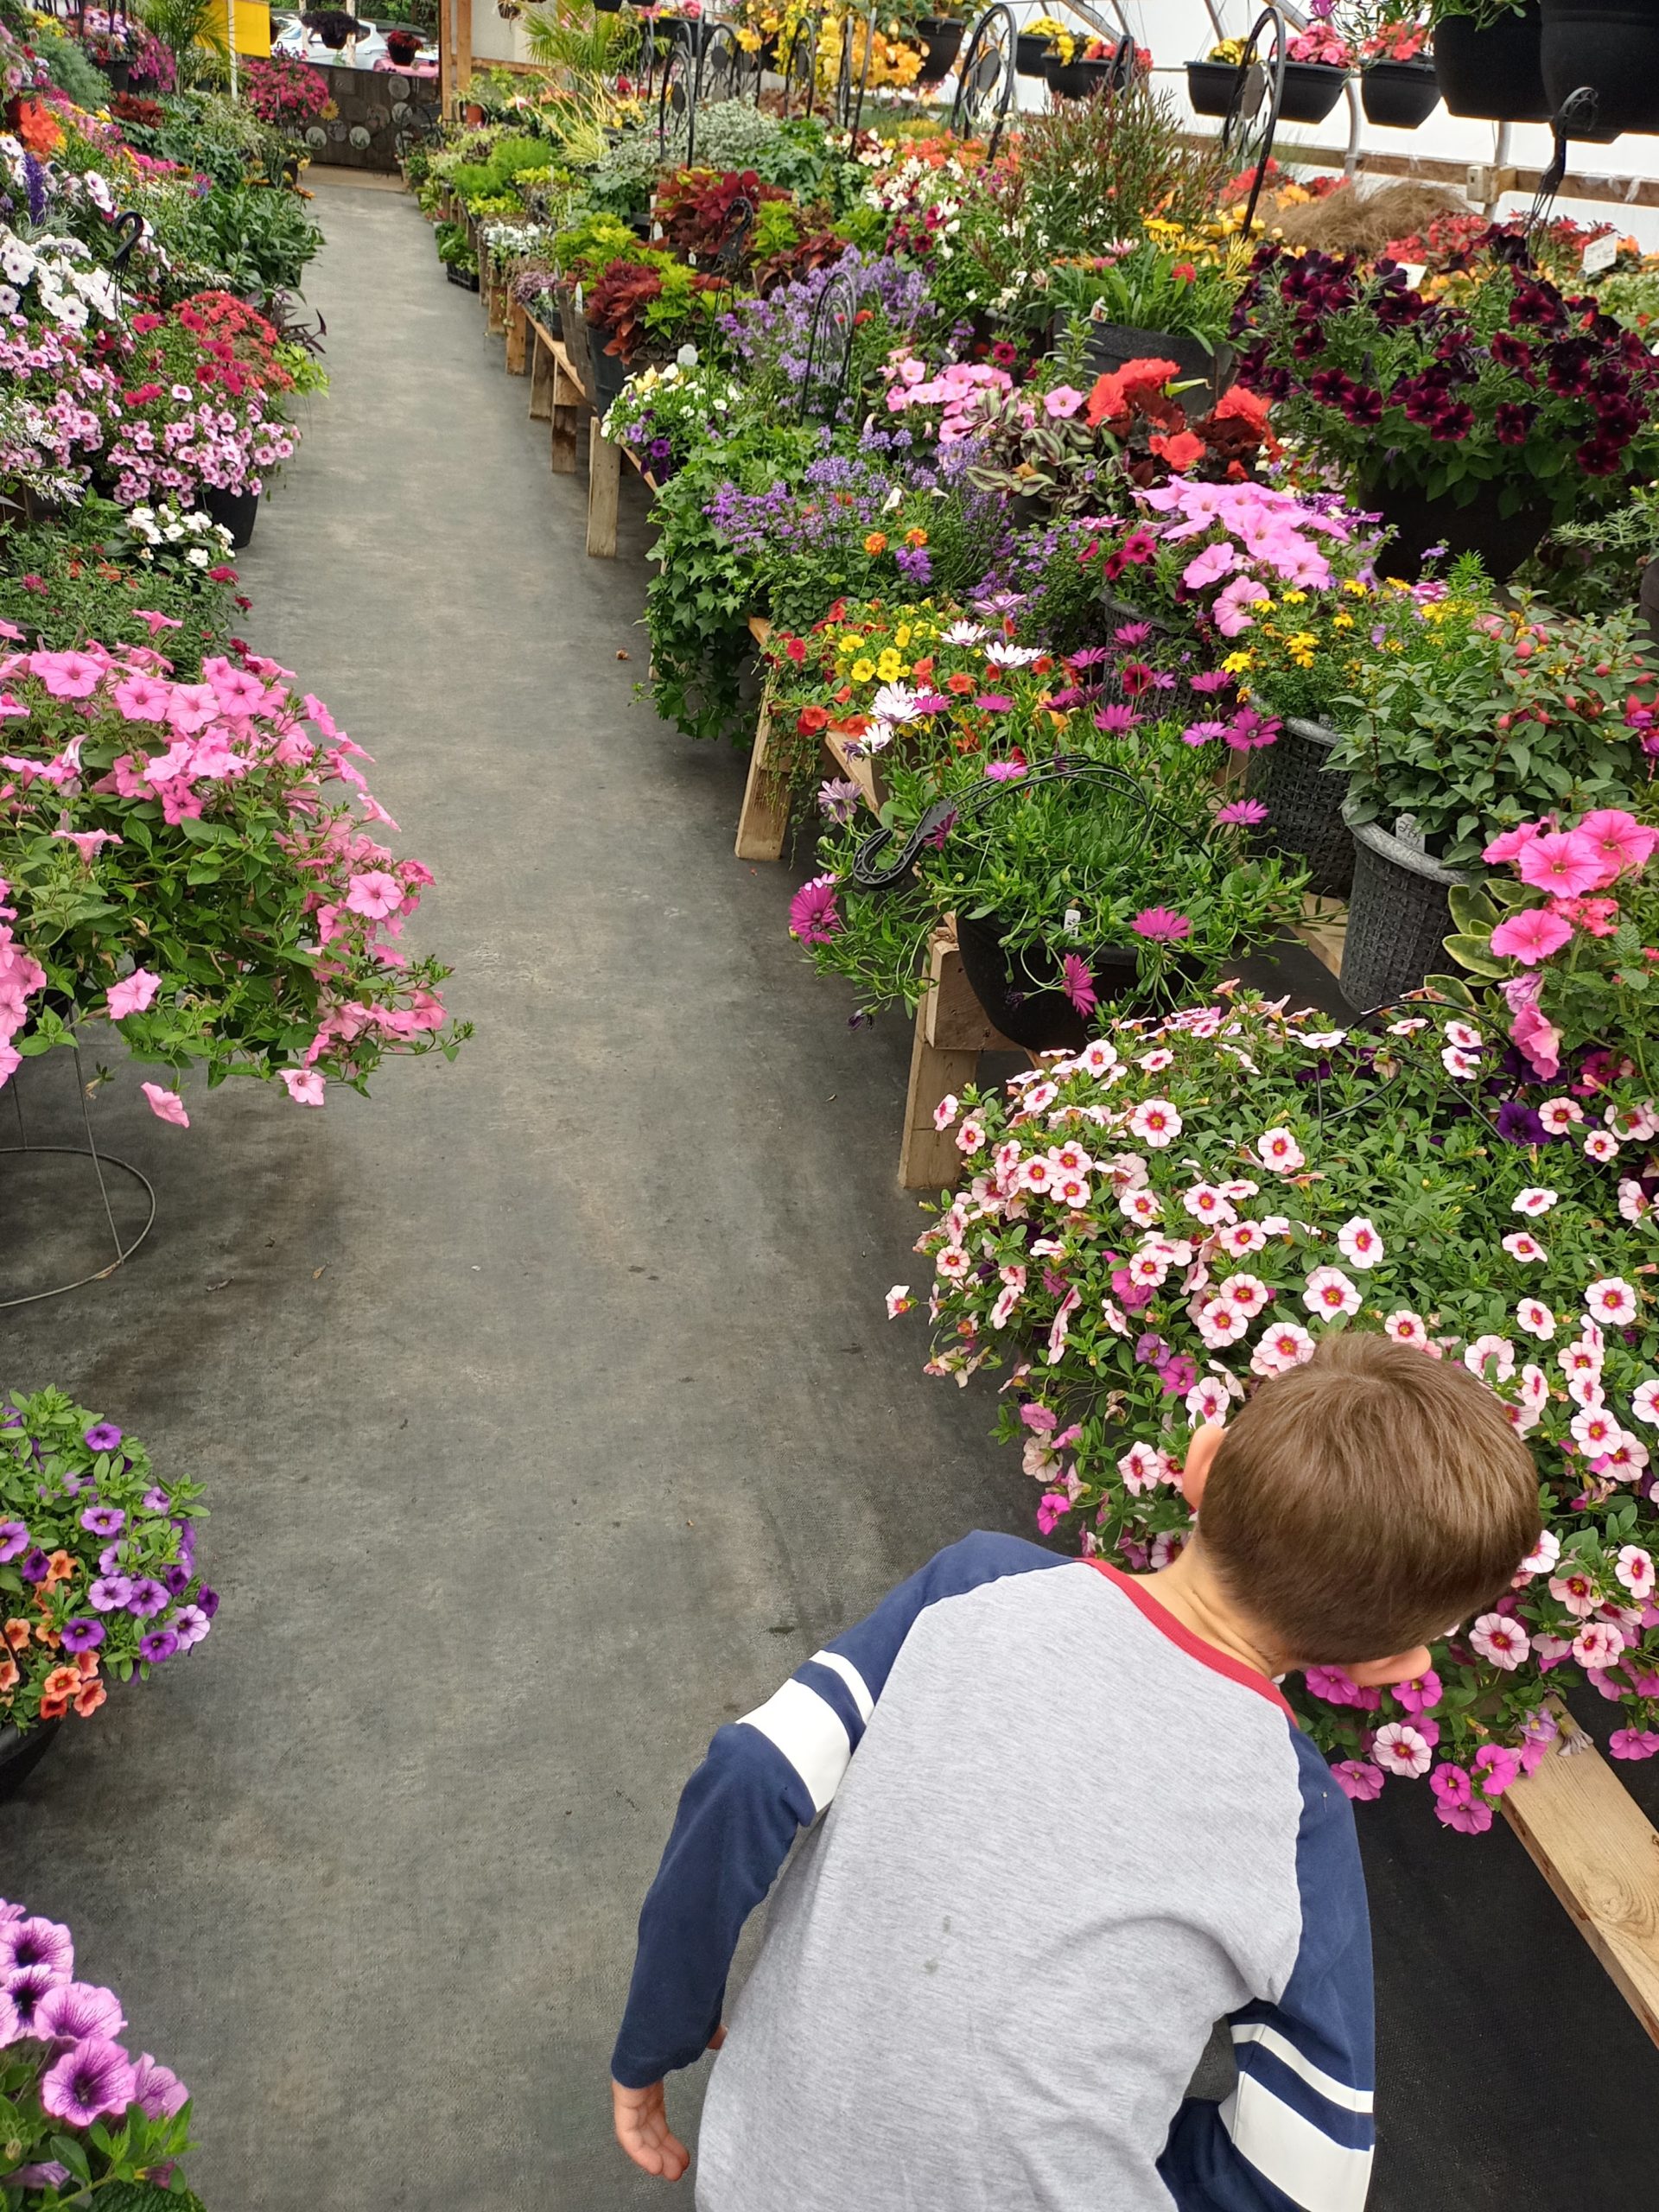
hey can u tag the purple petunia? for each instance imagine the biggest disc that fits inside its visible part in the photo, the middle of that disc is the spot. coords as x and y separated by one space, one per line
190 1625
161 1643
82 1635
36 1943
157 2088
176 1577
14 1538
93 2080
209 1600
156 1500
76 2010
104 1520
26 1989
111 1593
148 1596
102 1436
36 1565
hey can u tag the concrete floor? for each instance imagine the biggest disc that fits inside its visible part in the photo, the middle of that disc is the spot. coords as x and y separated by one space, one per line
549 1412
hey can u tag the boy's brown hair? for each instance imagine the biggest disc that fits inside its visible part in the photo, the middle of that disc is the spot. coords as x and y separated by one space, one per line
1368 1499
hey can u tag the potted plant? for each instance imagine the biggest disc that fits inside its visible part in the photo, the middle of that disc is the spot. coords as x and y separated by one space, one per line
1610 48
1032 43
1454 741
940 35
98 1574
1488 60
1398 87
1160 1221
1317 62
1148 299
403 45
1212 83
1471 424
1079 71
103 38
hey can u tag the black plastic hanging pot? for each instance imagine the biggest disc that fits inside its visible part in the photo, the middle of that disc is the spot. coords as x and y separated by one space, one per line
119 70
1494 72
1502 542
941 38
237 511
1211 86
22 1751
1076 80
1030 51
1399 95
1609 49
1311 90
1294 780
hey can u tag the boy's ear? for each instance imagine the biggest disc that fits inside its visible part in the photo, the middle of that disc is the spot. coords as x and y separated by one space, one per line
1200 1457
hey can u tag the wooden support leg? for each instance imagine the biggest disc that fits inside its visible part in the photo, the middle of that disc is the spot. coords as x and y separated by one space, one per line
541 382
764 823
952 1030
565 409
497 294
604 487
517 336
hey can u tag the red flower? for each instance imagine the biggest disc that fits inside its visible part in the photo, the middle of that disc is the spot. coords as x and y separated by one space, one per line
811 719
1180 451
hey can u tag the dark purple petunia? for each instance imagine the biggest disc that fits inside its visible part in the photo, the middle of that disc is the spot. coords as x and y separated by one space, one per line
82 1634
161 1643
1519 1124
35 1566
1363 405
177 1576
148 1596
1510 352
14 1539
1455 420
25 1989
1600 456
209 1600
1331 387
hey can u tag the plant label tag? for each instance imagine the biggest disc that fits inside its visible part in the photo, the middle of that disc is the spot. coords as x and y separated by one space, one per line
576 300
1415 271
1406 829
1599 254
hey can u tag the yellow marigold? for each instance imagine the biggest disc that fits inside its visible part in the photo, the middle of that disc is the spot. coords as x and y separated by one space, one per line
1352 584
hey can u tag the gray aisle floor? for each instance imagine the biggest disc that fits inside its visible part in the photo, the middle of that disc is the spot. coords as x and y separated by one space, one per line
549 1412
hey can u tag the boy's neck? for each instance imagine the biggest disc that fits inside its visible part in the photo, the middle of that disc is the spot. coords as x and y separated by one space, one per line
1189 1589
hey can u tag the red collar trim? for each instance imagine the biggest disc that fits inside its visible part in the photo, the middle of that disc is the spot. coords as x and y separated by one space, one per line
1194 1646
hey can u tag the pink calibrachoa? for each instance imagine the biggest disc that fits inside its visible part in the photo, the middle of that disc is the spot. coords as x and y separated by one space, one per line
256 919
1060 1258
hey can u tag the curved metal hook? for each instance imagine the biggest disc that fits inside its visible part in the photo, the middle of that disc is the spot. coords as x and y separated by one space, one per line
130 223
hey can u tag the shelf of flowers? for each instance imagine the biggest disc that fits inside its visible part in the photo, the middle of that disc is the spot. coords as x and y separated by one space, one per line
1126 594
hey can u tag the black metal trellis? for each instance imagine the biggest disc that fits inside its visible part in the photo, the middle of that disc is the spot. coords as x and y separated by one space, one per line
829 349
986 77
1258 93
722 67
23 1149
800 67
850 95
676 105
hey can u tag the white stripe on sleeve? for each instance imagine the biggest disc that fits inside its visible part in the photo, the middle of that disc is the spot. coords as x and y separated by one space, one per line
851 1675
810 1735
1333 2092
1292 2154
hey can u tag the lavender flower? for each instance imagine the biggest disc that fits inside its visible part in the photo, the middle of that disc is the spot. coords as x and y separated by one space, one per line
104 1520
102 1436
148 1596
14 1539
161 1643
92 2079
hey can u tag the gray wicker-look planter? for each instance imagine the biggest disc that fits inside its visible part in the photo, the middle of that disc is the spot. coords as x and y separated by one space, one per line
1398 917
1303 794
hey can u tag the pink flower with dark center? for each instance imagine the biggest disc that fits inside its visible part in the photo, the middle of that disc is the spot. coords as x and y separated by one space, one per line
1531 936
814 918
1161 925
1563 860
92 2081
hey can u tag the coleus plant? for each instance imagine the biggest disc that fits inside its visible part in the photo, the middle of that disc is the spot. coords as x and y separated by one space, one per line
1152 1224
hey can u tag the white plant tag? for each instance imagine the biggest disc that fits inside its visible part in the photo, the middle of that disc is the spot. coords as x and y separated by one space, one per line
1599 254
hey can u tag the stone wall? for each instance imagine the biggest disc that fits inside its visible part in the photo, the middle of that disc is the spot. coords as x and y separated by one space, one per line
376 107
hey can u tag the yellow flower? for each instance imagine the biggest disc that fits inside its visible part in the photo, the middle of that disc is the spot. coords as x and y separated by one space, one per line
1236 664
1294 598
1352 584
862 670
1303 642
887 666
901 635
1342 621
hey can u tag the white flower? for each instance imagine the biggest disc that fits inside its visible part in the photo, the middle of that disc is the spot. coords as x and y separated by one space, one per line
1599 1644
1612 1299
1282 1347
1207 1400
1406 1327
1644 1404
1520 1246
1461 1064
1141 1467
1499 1349
1204 1202
1006 656
1094 1058
1634 1569
895 702
1329 1291
1634 1204
1072 1190
1558 1115
971 1135
1542 1558
1535 1318
1461 1034
1278 1149
953 1263
1070 1157
1153 1063
1144 1207
1240 1238
1156 1123
1534 1200
946 1111
1405 1028
964 633
1601 1145
1220 1323
1034 1175
1248 1293
1399 1747
898 1300
1595 1432
1502 1641
1274 1224
1359 1243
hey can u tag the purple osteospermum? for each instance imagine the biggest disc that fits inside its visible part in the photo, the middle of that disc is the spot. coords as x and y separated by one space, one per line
14 1538
80 2009
1248 811
1118 720
37 1942
157 2088
148 1596
814 918
1215 680
111 1593
190 1625
1003 772
102 1436
994 703
82 1635
93 2080
161 1643
36 1565
104 1520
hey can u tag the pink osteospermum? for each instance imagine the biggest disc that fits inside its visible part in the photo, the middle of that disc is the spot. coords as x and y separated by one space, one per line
1161 925
814 917
1079 984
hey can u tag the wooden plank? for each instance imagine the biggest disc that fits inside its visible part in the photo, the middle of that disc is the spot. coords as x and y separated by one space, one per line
952 1030
763 820
952 1017
498 306
604 485
759 629
518 338
1598 1852
1323 930
858 768
541 377
564 412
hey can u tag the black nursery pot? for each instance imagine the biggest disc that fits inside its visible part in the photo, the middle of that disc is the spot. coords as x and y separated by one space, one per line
1494 74
237 511
1399 95
1502 542
1030 51
1075 80
941 37
1018 993
1112 345
1610 48
1311 90
608 7
119 70
22 1751
611 372
1210 86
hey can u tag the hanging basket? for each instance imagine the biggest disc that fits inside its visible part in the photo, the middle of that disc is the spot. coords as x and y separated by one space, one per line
1503 542
1399 95
1613 50
1020 991
1030 51
1293 780
941 41
1398 919
1076 80
1211 86
1311 90
1493 74
22 1751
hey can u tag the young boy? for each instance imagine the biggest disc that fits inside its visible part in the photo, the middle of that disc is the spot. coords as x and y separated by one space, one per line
1080 1826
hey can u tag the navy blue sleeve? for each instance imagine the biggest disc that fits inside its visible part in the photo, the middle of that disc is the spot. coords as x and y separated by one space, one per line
1296 2134
765 1777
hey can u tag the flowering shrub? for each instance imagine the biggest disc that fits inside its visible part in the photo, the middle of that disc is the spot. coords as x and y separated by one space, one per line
195 406
1156 1223
82 2114
174 865
286 92
97 1572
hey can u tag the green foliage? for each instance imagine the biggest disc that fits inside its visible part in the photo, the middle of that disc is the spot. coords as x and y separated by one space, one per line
65 584
1142 290
194 32
69 69
257 236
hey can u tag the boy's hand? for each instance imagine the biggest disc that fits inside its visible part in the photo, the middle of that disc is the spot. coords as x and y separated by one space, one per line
642 2125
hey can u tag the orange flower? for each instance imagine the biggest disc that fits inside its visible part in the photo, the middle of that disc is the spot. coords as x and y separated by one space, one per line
9 1676
53 1708
59 1567
876 541
45 1633
88 1700
16 1633
87 1663
915 538
962 685
924 669
62 1681
37 129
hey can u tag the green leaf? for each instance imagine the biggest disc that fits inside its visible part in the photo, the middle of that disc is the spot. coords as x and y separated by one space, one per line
1475 953
69 2151
1452 989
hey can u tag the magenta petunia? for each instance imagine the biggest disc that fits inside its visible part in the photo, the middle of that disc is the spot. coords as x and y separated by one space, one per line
94 2080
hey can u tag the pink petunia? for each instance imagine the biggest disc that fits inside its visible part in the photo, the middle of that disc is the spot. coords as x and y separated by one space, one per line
374 892
1623 843
1511 844
1210 566
1563 860
166 1105
66 674
1531 936
134 994
304 1085
142 698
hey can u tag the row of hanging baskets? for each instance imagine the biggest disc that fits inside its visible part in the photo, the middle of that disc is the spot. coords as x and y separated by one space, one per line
1525 67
